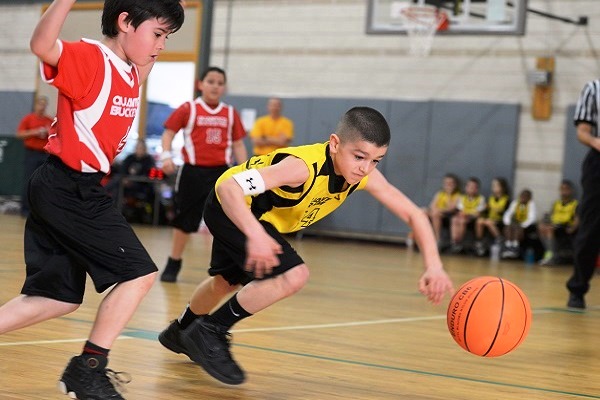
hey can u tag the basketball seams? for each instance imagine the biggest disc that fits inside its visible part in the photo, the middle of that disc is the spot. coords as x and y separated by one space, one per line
528 317
499 320
466 323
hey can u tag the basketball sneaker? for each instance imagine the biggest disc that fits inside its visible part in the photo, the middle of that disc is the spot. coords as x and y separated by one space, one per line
88 378
576 301
207 344
171 270
171 338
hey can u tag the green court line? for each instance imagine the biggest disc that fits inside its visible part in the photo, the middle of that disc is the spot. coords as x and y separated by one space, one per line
149 335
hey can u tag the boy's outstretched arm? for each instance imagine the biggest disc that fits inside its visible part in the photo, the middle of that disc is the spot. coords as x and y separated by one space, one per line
43 42
434 283
261 248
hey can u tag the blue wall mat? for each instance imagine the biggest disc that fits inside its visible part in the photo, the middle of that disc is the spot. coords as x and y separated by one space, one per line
13 107
406 162
472 139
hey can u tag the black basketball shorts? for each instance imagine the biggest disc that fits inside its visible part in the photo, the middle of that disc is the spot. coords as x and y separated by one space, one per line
73 229
193 185
229 246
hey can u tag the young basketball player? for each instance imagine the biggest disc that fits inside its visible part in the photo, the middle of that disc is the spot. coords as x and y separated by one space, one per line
497 204
73 229
213 137
469 206
281 192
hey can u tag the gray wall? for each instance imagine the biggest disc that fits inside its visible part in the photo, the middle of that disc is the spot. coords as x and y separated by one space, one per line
429 139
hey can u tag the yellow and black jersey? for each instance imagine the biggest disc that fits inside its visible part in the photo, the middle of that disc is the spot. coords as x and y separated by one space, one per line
564 213
290 209
497 206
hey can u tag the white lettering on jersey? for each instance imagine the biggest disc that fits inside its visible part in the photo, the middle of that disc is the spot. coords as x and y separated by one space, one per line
124 106
213 136
204 120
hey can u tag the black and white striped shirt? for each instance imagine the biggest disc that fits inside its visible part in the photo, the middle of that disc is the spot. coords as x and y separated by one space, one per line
588 105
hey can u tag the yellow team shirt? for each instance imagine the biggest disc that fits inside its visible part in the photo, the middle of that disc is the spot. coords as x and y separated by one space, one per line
496 207
443 199
472 205
290 209
564 213
521 212
266 126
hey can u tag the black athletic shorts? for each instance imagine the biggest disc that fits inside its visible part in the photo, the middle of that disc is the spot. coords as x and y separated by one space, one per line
193 185
73 228
229 246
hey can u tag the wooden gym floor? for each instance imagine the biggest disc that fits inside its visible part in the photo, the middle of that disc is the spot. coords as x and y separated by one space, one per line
359 330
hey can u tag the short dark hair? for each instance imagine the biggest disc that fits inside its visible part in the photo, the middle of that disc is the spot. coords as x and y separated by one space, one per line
139 11
213 69
568 183
475 180
364 123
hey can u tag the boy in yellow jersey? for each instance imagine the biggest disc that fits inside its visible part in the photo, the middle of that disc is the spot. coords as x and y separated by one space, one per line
272 131
492 220
469 206
281 192
518 219
562 221
443 205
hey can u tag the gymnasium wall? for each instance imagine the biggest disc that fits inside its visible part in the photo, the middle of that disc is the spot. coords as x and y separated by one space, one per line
318 48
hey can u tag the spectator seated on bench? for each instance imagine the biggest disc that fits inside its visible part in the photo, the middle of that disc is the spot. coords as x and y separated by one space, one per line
557 229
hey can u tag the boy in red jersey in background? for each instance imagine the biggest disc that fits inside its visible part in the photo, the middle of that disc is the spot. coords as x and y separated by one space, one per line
213 138
73 229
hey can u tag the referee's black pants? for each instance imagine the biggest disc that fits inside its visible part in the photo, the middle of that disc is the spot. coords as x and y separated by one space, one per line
587 240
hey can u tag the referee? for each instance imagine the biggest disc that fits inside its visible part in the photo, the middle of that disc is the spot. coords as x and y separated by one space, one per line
587 241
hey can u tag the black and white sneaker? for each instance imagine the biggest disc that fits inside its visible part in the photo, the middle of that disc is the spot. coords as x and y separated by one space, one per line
207 344
88 378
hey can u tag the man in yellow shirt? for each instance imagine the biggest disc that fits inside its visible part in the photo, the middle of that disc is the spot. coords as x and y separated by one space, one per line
272 131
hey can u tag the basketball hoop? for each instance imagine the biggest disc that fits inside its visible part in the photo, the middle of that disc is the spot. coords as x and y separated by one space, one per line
422 22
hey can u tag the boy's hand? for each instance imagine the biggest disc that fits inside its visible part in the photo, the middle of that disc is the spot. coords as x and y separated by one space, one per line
261 254
434 284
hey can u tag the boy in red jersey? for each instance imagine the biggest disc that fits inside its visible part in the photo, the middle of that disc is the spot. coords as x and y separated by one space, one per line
73 229
213 138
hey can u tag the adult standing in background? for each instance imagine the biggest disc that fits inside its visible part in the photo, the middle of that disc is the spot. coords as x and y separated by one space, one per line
273 131
587 240
33 129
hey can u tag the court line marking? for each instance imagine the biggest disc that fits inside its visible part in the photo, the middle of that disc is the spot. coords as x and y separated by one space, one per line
37 342
419 372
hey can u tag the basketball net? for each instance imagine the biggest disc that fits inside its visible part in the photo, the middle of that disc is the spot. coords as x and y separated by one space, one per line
422 22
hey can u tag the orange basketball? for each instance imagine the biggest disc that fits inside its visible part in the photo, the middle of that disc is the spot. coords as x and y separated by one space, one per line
489 316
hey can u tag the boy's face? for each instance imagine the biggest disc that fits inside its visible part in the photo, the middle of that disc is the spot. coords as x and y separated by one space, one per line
449 185
524 198
142 46
212 87
471 188
356 159
565 191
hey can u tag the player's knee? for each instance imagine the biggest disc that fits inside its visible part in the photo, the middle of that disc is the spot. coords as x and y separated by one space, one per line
296 278
145 282
221 287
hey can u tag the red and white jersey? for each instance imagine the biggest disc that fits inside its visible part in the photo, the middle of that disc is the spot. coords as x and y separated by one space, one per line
208 132
98 97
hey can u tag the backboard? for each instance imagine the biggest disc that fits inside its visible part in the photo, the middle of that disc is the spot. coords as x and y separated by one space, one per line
465 17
